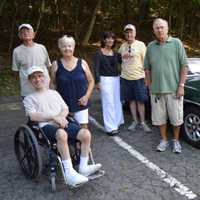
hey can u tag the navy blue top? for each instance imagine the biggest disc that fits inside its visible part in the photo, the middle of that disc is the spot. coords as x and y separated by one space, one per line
72 85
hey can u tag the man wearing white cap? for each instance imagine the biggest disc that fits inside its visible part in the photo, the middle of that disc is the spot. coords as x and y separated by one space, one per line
28 54
49 109
133 88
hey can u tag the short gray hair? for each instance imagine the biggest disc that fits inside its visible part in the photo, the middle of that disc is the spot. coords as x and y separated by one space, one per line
66 39
160 19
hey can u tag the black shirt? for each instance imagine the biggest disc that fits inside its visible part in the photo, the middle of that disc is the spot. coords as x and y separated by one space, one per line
106 65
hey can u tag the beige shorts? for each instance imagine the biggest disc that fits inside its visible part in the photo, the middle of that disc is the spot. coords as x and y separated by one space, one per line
81 116
166 106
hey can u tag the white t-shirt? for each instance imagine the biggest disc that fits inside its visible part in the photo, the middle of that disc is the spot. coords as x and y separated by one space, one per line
25 57
48 102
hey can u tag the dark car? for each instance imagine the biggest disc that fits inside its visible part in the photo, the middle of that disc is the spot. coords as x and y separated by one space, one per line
191 126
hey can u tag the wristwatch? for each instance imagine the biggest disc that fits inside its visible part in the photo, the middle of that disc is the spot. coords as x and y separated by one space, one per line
181 84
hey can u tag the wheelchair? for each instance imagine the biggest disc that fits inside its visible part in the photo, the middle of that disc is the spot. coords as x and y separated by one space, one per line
29 140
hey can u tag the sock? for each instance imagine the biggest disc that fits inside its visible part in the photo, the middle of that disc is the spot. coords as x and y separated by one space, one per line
83 162
67 164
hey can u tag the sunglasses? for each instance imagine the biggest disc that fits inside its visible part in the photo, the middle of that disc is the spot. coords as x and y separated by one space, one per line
129 49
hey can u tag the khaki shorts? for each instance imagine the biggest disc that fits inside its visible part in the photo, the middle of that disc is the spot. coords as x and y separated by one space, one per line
166 106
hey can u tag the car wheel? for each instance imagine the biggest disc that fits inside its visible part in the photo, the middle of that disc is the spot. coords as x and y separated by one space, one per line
191 126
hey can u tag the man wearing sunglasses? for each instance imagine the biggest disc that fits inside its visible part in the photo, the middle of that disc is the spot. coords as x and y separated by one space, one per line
133 88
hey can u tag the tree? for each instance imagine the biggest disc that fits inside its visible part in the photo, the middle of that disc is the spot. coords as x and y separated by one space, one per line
92 22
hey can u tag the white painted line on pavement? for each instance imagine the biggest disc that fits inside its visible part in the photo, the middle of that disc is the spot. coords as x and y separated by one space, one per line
164 176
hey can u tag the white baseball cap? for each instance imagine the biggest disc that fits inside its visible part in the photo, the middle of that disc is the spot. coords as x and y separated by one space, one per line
33 69
130 27
28 26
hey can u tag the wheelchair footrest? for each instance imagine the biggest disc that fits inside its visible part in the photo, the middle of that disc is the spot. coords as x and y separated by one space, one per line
91 177
75 186
98 174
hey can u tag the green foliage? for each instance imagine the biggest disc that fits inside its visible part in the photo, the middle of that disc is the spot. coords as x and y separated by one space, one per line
9 85
197 2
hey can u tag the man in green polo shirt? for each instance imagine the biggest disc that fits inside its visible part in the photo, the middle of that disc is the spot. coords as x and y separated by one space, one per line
166 70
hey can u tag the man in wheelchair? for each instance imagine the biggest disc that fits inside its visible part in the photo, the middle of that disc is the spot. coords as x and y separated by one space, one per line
46 107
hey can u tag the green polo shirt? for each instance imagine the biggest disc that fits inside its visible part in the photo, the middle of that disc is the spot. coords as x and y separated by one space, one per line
165 62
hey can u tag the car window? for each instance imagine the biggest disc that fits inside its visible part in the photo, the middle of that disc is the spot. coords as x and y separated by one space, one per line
194 65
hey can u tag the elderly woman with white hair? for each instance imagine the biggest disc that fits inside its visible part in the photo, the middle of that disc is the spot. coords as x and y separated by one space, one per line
72 78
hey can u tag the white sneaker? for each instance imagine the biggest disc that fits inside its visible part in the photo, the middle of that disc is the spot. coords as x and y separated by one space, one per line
74 178
176 146
145 127
162 146
90 169
133 126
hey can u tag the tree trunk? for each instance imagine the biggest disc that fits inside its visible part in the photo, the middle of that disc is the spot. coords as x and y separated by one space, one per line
92 22
126 11
143 10
181 19
77 10
1 6
13 26
59 7
40 15
170 14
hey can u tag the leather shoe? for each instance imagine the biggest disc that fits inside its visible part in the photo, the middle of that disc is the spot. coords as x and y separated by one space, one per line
113 133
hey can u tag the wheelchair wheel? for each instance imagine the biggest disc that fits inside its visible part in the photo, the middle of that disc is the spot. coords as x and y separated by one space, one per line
53 183
27 152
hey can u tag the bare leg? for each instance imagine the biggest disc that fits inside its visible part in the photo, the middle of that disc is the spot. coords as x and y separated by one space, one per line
62 144
133 109
163 131
176 132
84 137
141 110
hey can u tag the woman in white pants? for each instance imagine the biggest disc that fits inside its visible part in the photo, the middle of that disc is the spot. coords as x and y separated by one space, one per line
106 67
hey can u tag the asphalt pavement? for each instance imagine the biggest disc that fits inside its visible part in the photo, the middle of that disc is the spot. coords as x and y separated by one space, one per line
134 170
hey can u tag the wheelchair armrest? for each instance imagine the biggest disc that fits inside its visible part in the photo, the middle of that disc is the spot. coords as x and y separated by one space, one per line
70 118
33 124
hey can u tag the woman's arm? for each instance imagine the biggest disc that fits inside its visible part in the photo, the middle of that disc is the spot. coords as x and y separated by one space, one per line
83 100
96 66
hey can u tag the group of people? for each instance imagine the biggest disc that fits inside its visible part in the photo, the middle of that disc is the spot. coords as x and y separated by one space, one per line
158 70
129 74
72 79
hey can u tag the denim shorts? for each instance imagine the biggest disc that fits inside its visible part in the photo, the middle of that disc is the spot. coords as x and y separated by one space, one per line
133 90
72 131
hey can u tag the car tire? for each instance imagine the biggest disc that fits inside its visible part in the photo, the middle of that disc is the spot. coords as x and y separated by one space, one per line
191 126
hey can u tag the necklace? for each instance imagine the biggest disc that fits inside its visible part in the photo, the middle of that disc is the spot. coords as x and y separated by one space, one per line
69 64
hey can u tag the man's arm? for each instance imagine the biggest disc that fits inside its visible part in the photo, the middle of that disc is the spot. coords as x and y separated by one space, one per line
148 78
43 117
59 119
15 65
183 76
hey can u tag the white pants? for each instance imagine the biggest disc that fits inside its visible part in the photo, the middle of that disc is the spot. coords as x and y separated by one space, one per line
111 104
